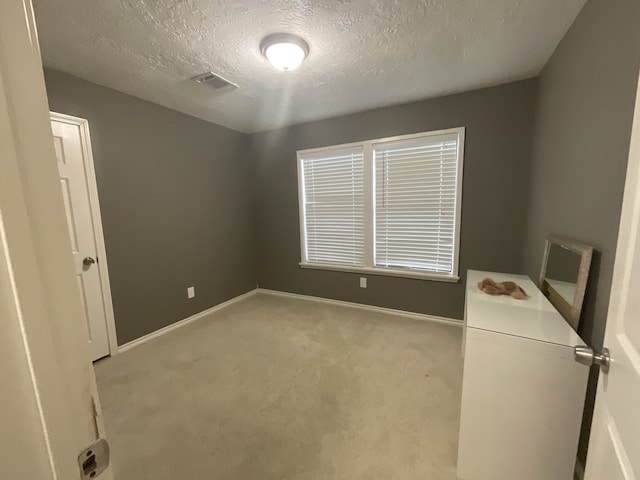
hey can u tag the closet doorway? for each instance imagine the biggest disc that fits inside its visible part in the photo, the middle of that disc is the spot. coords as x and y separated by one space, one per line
79 190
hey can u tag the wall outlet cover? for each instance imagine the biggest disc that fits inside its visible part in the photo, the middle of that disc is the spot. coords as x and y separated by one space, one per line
191 292
363 282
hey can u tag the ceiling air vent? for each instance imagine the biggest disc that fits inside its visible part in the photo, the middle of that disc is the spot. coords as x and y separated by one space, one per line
215 81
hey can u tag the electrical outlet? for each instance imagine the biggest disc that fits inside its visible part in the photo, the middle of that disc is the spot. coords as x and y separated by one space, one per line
363 282
191 292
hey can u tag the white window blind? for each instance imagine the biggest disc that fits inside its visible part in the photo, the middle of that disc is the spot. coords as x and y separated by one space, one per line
389 206
416 186
332 201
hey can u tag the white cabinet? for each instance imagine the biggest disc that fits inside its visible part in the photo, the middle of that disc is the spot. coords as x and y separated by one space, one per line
522 391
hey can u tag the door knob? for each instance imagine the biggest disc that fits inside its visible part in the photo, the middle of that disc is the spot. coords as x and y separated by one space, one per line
88 261
587 356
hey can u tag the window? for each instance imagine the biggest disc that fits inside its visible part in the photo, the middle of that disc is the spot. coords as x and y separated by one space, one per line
334 206
388 206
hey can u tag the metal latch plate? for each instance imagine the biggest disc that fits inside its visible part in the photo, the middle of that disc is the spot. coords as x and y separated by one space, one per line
94 460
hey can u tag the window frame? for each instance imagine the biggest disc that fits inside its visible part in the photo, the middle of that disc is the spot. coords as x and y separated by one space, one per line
369 208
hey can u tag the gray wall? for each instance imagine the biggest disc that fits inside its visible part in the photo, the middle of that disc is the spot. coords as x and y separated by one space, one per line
581 144
499 124
176 205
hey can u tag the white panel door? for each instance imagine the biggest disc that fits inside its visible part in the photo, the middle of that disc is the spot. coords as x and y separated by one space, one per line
614 449
73 181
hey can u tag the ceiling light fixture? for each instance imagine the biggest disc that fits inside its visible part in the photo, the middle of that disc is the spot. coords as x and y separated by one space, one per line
284 51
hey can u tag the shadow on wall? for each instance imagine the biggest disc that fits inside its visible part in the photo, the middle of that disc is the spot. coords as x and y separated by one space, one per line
585 330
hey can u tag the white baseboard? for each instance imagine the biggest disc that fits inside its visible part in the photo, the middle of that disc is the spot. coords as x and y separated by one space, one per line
182 323
198 316
362 306
579 472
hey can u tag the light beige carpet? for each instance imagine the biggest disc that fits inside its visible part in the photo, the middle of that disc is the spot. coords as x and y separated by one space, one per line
278 388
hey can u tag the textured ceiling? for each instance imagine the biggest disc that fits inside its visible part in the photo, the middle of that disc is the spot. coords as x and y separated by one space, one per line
364 53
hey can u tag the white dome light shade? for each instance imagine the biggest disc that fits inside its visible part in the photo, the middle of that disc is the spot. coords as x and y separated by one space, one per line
285 56
285 52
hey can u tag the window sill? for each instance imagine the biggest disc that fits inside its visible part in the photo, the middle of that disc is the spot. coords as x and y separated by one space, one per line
383 272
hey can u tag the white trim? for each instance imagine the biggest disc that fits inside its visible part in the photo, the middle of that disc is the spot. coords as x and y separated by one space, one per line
7 270
460 171
183 322
41 309
362 306
368 147
301 209
388 272
96 221
369 178
198 316
375 141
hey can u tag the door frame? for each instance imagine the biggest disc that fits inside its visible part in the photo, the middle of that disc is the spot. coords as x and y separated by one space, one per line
620 292
96 222
39 298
